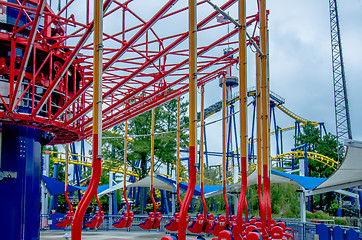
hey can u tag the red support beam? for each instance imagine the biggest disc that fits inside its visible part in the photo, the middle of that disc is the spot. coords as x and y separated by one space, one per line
161 90
139 34
26 56
127 113
152 60
173 69
176 67
67 63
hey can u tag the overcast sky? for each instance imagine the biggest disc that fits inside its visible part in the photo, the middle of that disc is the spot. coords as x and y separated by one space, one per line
300 62
301 65
300 58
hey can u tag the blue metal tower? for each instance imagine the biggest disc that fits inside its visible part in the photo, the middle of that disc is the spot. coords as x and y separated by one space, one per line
343 122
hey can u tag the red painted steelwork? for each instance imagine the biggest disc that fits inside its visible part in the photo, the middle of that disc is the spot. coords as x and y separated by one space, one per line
55 94
90 192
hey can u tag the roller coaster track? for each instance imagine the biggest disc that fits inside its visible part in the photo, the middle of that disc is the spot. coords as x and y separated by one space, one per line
275 98
310 155
116 167
294 116
251 92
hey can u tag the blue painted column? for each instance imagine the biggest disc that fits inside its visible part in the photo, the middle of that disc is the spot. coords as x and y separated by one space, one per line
20 201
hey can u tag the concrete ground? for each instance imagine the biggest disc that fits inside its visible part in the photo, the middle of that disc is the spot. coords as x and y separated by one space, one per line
108 235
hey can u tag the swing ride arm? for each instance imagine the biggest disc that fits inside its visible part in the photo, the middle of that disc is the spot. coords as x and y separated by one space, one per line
192 119
243 116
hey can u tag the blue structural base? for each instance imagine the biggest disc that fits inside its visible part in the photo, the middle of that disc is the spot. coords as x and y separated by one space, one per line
325 233
20 201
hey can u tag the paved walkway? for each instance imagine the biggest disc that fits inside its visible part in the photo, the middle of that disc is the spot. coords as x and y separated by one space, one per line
107 235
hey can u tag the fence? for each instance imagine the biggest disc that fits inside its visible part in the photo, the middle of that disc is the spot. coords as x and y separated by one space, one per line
48 222
306 231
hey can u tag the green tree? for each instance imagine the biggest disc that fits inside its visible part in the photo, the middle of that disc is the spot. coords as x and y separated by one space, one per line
139 145
327 146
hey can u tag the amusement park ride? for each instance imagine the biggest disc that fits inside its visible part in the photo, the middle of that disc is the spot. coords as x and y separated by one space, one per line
65 77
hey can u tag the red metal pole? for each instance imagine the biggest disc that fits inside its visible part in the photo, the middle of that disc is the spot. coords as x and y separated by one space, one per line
192 119
97 123
243 116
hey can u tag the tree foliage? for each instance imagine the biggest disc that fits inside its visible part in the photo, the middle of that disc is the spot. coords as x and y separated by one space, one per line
139 140
327 146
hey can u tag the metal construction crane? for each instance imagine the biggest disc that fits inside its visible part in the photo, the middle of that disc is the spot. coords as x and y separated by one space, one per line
343 122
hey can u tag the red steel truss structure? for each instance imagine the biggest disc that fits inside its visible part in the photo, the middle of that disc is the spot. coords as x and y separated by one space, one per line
46 60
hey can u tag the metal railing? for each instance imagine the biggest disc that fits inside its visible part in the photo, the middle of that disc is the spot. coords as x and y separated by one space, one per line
303 231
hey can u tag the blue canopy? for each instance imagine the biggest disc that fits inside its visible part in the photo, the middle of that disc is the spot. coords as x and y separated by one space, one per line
183 186
100 188
306 182
56 187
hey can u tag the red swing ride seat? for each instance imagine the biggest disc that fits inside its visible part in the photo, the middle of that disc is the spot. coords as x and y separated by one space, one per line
121 223
66 221
94 220
218 225
101 218
172 225
147 224
197 224
158 220
208 223
130 219
287 232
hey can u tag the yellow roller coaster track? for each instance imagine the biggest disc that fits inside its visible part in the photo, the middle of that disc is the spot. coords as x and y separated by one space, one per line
295 116
310 155
116 167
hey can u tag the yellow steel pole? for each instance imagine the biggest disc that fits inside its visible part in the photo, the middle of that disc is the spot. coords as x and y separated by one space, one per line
268 122
202 134
224 113
258 114
66 165
97 122
259 134
265 100
125 166
243 114
178 150
125 151
152 144
202 152
153 157
97 82
66 177
192 119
